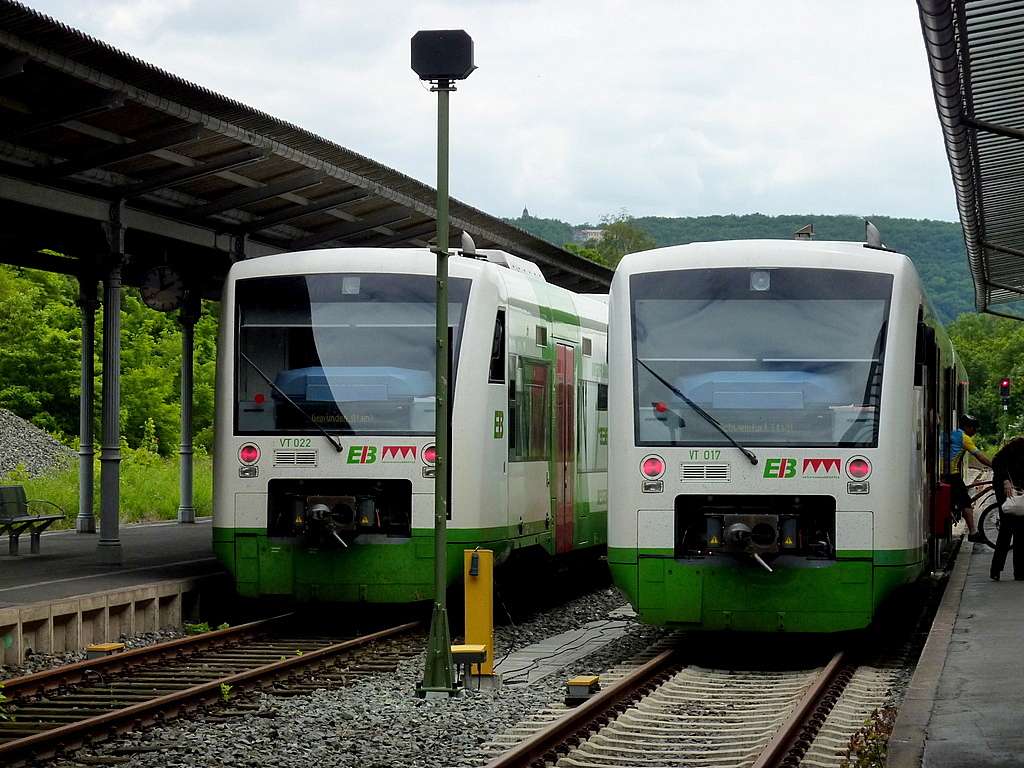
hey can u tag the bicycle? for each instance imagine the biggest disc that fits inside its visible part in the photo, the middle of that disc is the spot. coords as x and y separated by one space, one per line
988 519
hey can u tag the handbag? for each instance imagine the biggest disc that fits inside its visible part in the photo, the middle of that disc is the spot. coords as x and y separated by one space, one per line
1013 505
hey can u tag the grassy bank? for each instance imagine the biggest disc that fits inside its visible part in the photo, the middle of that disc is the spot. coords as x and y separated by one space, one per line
149 488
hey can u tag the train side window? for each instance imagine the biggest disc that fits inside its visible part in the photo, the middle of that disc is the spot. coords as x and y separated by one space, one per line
496 375
530 409
510 426
592 432
924 354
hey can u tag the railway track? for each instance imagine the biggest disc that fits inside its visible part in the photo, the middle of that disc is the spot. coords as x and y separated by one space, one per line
54 712
659 711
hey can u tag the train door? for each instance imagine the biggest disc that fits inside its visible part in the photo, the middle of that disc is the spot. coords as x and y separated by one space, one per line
565 447
927 375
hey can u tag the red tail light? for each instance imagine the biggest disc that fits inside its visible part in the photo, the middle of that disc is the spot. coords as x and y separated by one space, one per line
429 455
652 467
858 468
249 454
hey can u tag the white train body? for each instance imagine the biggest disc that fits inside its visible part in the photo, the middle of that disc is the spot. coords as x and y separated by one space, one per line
825 362
343 342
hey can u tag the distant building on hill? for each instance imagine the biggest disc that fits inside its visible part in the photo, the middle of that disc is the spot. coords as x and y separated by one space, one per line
588 235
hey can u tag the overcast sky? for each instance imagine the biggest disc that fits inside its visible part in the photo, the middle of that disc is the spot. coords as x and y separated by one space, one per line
584 108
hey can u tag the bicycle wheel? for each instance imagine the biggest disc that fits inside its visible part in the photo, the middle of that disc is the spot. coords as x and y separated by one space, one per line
988 525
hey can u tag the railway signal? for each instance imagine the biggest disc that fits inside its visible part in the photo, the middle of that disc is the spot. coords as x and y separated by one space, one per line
1004 392
441 57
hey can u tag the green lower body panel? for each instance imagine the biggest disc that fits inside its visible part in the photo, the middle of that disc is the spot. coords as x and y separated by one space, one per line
401 571
831 596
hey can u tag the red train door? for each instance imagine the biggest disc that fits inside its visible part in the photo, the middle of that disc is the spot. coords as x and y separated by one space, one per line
565 447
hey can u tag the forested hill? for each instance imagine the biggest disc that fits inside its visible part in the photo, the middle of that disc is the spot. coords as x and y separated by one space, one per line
936 247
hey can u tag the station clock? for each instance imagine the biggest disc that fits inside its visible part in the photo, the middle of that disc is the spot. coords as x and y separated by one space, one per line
163 289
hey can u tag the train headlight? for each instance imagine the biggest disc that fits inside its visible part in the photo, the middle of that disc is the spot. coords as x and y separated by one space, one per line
858 468
249 454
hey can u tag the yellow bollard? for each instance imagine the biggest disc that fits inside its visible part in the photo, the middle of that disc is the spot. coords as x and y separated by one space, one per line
479 574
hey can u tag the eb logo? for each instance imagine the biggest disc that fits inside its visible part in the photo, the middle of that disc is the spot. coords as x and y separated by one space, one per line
362 454
780 468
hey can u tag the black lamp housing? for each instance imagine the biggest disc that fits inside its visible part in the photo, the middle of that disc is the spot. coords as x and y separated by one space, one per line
442 54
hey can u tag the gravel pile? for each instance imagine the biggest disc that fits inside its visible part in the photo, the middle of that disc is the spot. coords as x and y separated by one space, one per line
381 723
27 447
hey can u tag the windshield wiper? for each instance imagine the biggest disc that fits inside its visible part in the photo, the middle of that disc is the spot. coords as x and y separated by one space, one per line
700 411
334 441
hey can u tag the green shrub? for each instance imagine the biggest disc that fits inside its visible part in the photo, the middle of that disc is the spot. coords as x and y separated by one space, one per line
869 746
150 487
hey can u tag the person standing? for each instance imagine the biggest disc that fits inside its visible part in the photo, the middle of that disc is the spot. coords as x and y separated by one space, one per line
1008 481
955 449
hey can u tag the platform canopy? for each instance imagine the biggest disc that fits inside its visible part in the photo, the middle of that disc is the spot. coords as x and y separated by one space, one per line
975 51
95 142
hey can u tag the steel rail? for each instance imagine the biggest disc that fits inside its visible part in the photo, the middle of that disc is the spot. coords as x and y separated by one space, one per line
596 708
790 740
73 735
814 706
47 680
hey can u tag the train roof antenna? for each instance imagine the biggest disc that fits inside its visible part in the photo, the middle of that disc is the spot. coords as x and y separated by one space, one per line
468 245
872 235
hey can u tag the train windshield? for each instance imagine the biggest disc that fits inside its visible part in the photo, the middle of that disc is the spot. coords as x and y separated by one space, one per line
778 357
351 354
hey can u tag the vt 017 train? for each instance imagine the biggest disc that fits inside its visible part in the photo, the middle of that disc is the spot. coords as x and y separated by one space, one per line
776 410
324 477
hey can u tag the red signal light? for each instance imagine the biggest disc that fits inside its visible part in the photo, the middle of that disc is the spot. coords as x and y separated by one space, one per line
249 454
661 407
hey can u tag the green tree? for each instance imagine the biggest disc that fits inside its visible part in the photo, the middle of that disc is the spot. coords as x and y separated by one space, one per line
40 338
552 230
586 253
936 247
40 351
621 236
991 348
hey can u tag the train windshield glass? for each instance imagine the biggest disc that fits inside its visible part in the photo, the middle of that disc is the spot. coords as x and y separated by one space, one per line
779 357
352 354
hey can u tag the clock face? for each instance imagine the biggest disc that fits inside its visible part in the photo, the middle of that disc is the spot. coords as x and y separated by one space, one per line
163 289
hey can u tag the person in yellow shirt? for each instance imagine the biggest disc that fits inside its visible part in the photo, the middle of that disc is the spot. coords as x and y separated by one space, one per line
955 448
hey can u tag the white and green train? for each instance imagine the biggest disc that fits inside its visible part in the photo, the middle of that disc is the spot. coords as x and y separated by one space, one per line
324 477
776 410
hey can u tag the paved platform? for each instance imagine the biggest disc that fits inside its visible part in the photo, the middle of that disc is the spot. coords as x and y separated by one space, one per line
965 705
64 599
68 563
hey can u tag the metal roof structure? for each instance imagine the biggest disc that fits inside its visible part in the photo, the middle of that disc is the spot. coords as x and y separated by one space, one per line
975 51
95 141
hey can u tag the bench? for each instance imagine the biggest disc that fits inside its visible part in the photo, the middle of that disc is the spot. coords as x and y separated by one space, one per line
19 514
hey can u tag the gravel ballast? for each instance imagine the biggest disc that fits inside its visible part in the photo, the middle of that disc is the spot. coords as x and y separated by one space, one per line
380 722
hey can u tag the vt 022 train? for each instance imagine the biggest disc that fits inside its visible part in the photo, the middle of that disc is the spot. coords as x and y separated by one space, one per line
776 410
324 476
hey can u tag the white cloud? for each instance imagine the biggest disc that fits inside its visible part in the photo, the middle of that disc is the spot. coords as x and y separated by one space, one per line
582 108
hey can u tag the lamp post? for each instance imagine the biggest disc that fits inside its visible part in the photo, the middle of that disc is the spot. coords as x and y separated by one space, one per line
441 57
